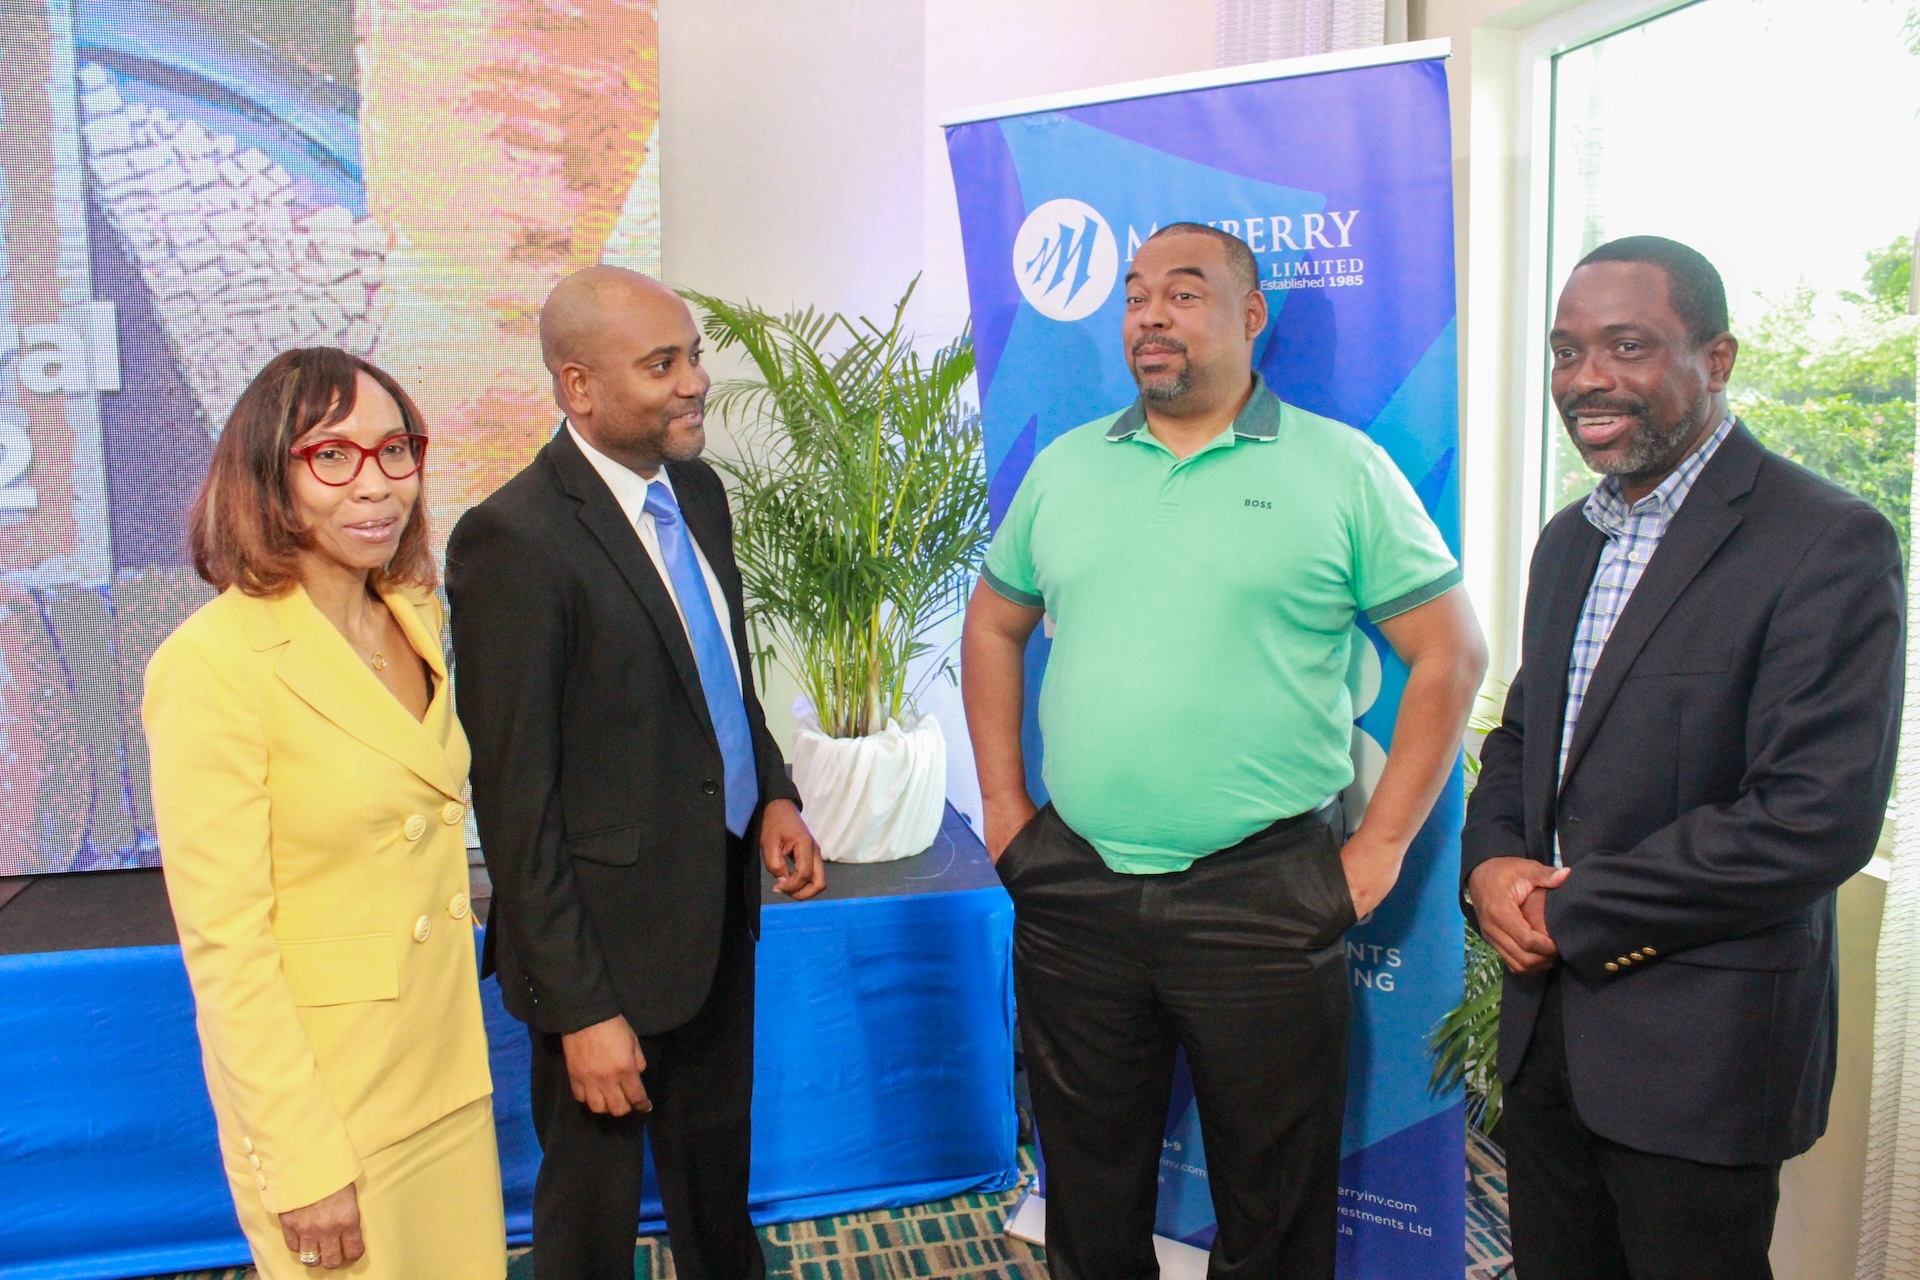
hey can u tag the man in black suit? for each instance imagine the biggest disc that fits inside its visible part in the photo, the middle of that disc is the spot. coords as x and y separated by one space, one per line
622 771
1695 754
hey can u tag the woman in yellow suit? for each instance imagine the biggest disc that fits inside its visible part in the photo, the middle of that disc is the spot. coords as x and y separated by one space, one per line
307 781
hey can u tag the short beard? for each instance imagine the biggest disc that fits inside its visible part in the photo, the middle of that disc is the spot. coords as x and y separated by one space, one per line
683 450
1165 392
1651 449
654 444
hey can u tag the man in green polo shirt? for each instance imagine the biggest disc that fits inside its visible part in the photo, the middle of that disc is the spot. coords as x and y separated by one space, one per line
1202 556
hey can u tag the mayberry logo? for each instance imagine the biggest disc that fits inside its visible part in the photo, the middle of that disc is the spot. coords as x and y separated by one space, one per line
1066 260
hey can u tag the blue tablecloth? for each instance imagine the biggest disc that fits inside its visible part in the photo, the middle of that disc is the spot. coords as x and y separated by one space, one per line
884 1077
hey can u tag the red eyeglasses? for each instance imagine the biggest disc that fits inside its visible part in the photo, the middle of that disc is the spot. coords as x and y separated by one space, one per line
338 462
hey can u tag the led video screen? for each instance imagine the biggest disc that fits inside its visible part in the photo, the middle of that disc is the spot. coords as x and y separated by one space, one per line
188 187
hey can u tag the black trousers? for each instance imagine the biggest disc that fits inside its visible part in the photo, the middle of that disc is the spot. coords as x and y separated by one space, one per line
1584 1208
1239 961
586 1200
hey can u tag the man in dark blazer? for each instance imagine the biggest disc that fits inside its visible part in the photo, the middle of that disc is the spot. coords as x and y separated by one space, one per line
1695 753
622 773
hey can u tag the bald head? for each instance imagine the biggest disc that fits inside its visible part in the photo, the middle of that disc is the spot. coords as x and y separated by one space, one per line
624 353
591 303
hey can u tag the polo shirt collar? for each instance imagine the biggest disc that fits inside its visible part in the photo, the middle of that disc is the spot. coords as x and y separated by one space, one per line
1259 418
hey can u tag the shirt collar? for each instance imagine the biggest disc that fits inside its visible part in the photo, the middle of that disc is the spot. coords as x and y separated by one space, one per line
1258 419
629 486
1607 508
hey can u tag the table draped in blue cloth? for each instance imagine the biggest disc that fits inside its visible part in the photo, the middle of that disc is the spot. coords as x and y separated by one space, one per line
883 1077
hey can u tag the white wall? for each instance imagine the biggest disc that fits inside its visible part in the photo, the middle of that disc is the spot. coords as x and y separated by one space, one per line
790 138
801 162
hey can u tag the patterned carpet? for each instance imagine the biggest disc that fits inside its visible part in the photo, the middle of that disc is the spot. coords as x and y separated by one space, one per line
961 1239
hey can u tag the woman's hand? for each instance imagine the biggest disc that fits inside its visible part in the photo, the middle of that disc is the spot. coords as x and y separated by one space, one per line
328 1228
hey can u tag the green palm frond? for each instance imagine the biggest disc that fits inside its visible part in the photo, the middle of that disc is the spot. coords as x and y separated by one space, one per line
861 497
1465 1044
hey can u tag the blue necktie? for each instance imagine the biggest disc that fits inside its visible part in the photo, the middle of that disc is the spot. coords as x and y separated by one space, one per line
719 679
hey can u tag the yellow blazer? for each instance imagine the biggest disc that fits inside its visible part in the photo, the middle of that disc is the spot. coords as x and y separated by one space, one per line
312 834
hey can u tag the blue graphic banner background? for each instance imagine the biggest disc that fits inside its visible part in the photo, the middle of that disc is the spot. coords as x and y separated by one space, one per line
1341 183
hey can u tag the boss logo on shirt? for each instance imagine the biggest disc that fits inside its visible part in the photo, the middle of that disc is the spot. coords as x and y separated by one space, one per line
1259 503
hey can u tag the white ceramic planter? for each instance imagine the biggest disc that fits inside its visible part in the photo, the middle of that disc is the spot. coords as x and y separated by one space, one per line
871 799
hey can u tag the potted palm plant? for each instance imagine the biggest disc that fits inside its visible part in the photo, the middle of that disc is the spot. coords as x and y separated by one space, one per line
861 500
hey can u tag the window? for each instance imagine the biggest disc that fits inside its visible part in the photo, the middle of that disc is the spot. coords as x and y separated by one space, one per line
1778 138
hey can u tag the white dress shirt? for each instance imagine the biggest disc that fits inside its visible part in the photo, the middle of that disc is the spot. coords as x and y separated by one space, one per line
630 491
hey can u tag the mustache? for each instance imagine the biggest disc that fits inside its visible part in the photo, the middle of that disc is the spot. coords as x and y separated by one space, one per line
1595 402
1155 342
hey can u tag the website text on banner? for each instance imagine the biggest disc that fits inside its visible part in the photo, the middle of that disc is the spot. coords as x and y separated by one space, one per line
1341 184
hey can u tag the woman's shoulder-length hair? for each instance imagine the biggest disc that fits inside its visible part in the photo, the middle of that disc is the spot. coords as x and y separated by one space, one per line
243 529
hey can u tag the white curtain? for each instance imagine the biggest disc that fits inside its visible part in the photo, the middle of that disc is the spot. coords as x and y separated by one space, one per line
1890 1211
1263 30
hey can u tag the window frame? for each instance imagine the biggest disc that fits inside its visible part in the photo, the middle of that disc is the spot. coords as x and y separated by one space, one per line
1509 185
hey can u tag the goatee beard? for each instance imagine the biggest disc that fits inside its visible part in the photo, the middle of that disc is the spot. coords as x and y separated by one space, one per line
1167 392
1651 449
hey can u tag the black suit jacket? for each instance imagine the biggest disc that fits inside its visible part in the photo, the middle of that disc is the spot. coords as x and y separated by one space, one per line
1730 768
596 772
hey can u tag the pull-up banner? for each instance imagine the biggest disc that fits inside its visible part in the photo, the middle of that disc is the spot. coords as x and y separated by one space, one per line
1337 172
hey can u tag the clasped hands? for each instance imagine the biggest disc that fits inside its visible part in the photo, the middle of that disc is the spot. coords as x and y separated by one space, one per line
605 1061
1510 898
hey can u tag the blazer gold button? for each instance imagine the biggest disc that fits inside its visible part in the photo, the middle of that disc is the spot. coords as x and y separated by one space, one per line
247 1143
416 826
422 928
457 906
1612 967
1649 951
1638 956
452 811
255 1162
260 1180
1622 960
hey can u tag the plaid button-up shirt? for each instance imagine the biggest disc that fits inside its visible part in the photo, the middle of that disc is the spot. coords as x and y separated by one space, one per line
1633 535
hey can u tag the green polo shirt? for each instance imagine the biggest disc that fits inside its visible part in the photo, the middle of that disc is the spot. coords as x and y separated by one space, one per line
1203 619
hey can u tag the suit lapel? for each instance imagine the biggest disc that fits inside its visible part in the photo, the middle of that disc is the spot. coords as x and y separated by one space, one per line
707 525
1547 699
602 516
324 672
1705 520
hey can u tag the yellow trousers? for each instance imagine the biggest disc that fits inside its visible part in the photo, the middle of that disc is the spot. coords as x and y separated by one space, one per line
429 1208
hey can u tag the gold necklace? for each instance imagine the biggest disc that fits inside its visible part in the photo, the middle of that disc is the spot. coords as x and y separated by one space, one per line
375 659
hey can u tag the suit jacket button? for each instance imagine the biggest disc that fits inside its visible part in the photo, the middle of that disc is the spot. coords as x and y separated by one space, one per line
1638 956
457 906
452 811
709 786
1612 967
414 827
255 1162
1649 951
1622 960
260 1181
422 929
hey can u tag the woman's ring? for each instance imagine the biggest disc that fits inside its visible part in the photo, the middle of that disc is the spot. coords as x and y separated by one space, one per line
311 1257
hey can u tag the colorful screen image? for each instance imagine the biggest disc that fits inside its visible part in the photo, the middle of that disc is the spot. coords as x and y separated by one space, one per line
188 187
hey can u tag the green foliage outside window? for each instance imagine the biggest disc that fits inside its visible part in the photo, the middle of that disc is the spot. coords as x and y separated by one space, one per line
1833 388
